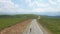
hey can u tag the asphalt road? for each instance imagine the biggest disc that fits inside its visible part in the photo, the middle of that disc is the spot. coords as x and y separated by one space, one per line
33 28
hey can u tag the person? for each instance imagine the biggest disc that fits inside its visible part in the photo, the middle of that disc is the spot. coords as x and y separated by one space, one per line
30 29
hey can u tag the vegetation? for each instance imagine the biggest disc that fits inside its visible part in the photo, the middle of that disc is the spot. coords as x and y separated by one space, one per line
9 20
52 24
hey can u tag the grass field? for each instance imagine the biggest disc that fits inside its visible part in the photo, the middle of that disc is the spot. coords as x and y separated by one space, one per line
9 20
52 24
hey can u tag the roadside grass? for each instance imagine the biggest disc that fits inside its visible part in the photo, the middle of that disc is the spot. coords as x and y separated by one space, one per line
6 22
52 24
9 20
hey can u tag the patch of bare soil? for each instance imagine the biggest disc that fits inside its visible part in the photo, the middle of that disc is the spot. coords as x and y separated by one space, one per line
16 29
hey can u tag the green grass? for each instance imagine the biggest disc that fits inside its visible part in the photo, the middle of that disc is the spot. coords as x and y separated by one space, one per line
6 22
9 20
52 24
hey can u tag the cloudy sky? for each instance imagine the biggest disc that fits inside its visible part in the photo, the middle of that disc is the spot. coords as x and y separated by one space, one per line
18 6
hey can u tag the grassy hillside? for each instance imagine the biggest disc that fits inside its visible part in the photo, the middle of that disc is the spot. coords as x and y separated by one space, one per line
52 24
9 20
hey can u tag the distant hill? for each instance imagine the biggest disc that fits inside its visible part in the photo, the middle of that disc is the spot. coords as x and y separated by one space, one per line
49 13
50 16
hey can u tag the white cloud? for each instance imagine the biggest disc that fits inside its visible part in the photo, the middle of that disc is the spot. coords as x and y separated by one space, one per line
46 6
28 1
52 9
46 10
58 0
38 4
6 5
38 10
52 2
9 6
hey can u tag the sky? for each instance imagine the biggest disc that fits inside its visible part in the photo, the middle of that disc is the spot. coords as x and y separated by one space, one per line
25 6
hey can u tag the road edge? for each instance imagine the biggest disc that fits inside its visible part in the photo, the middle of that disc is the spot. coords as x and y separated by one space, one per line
45 30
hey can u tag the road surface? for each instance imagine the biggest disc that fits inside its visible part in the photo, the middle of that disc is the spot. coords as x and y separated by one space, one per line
33 28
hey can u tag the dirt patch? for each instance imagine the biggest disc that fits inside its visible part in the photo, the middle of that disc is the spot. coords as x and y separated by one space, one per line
16 29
